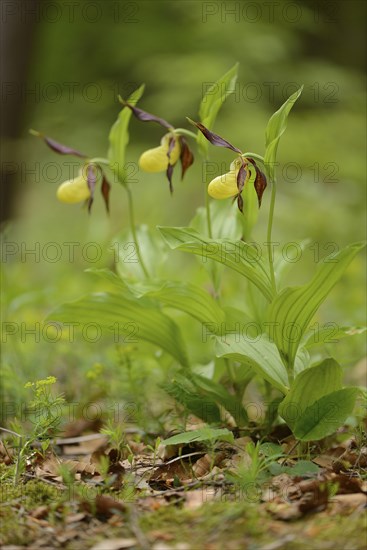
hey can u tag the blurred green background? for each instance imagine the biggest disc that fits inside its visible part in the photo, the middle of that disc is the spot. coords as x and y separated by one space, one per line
81 60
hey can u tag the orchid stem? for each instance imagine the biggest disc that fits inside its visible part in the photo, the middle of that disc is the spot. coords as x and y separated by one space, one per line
208 216
100 160
269 233
214 271
133 230
184 132
255 157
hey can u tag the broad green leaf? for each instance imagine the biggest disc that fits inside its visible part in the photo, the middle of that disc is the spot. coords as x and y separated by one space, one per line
275 129
180 295
292 310
238 318
204 434
326 415
300 469
137 320
238 321
193 300
271 449
237 255
302 360
260 354
241 320
303 468
119 137
212 102
152 248
309 386
331 333
109 276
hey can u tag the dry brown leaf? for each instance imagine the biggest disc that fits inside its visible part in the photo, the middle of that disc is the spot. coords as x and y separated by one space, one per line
241 442
70 534
195 499
6 453
281 543
87 447
164 475
203 465
345 504
177 546
114 544
284 511
347 484
40 512
105 506
75 518
161 535
77 427
52 466
324 461
207 463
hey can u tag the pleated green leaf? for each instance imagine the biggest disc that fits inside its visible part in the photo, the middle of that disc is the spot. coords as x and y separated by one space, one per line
116 312
191 299
180 295
119 137
237 255
309 386
260 354
326 415
331 333
212 101
302 360
274 131
292 310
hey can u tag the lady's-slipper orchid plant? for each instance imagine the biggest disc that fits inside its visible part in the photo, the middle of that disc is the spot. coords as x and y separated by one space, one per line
277 346
82 187
243 171
173 147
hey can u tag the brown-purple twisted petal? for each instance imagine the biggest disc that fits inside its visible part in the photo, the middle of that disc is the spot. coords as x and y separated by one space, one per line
186 157
147 117
241 177
62 149
214 139
169 173
91 181
105 190
260 181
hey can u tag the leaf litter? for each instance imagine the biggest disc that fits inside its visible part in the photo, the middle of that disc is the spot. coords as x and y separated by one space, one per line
103 487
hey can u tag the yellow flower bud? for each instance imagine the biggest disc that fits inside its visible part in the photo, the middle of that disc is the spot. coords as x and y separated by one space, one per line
224 186
156 160
73 191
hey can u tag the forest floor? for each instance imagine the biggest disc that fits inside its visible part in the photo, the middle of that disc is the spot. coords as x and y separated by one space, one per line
83 493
